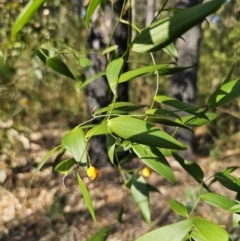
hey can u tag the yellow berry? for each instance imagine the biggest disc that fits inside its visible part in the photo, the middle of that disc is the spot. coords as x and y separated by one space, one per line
146 171
92 172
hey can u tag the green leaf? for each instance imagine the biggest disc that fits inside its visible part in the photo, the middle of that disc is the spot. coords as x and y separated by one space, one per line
163 69
226 93
139 191
64 166
153 158
164 121
196 236
236 219
161 33
178 208
235 208
217 200
228 181
113 71
85 62
228 77
190 167
59 66
97 130
43 54
171 50
109 49
25 15
119 107
162 112
209 231
120 214
90 10
80 85
140 131
172 232
75 143
193 120
110 141
86 197
179 105
42 162
100 235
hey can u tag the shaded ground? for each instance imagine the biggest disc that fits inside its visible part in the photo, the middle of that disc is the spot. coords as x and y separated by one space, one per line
48 211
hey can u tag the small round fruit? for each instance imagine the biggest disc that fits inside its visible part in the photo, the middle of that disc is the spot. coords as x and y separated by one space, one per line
146 171
92 172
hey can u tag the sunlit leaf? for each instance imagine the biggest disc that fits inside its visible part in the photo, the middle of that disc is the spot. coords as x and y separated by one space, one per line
113 71
59 66
97 130
119 107
236 219
153 158
173 102
171 50
86 197
163 69
139 191
109 49
172 232
163 32
25 15
140 131
75 143
209 231
85 62
217 200
225 93
200 120
178 207
90 10
196 236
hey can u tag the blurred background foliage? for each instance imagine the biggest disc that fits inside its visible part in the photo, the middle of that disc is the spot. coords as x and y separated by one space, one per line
32 95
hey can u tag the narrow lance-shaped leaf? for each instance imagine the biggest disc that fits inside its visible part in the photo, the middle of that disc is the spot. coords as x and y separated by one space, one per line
100 235
65 166
228 181
172 232
173 102
86 197
75 143
25 15
97 130
209 231
140 194
229 74
163 32
226 93
190 167
141 132
171 50
153 158
42 162
90 10
163 69
217 200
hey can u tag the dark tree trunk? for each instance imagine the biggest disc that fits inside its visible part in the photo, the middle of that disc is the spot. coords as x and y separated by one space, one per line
184 84
98 93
